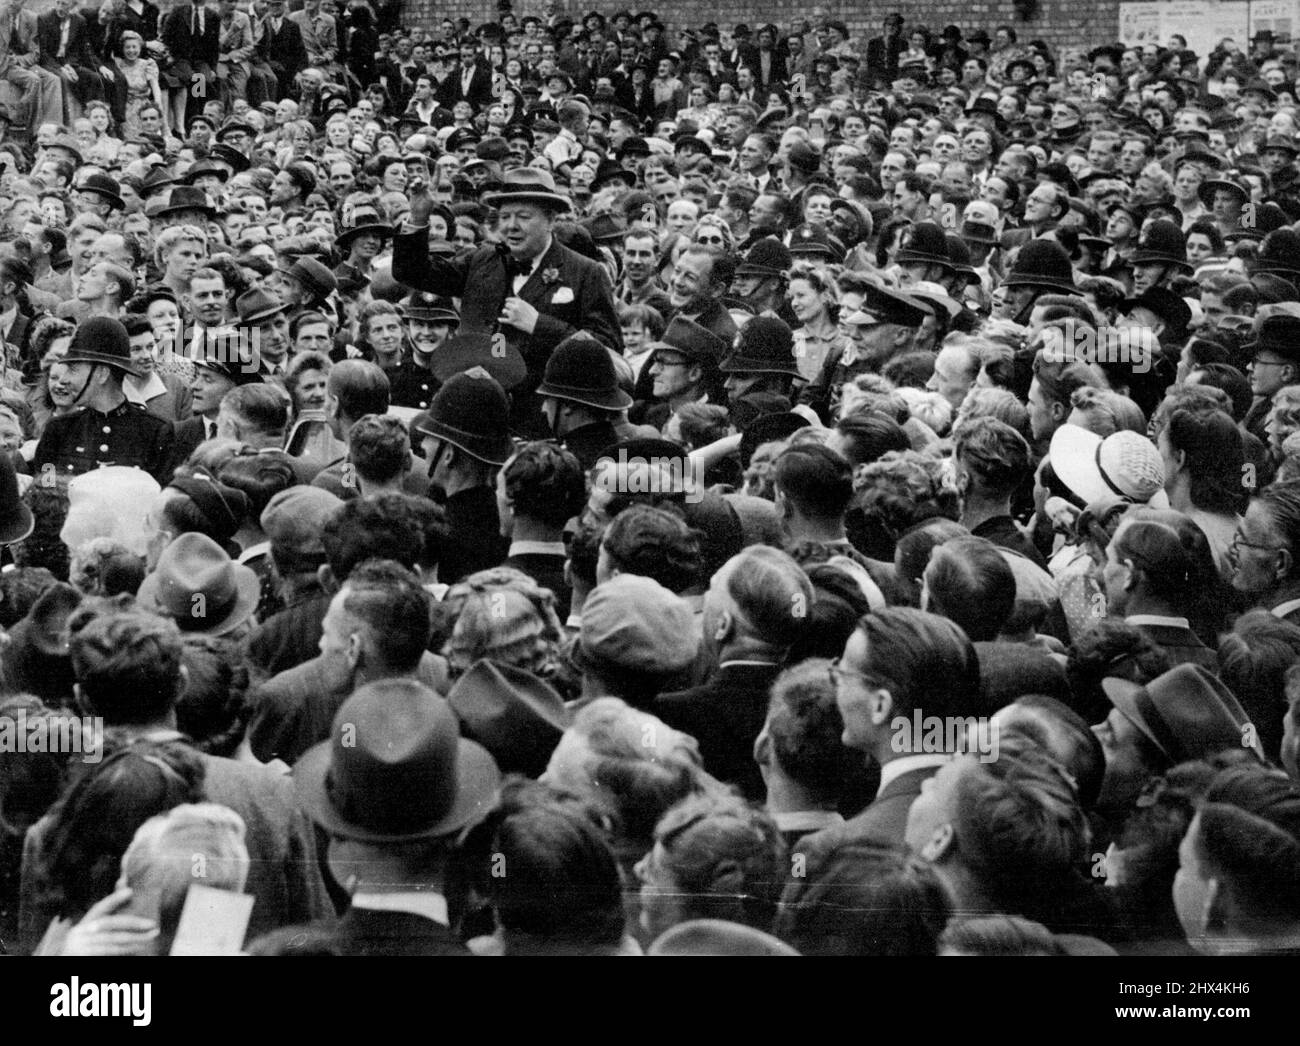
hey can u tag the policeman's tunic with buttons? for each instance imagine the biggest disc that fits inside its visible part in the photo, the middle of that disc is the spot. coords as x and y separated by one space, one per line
85 439
410 385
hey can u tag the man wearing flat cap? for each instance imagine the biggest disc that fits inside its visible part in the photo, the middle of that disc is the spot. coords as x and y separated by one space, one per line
530 288
105 428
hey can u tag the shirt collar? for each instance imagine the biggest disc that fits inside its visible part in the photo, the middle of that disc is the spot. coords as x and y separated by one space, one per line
426 903
896 768
1282 609
806 820
143 392
537 548
1158 619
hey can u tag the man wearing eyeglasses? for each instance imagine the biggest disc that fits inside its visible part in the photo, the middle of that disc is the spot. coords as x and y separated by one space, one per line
1276 363
899 664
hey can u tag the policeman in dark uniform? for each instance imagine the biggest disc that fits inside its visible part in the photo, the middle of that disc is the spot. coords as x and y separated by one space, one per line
581 397
106 428
430 319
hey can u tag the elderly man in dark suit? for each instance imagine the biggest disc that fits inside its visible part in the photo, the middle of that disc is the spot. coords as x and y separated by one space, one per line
192 33
755 610
529 287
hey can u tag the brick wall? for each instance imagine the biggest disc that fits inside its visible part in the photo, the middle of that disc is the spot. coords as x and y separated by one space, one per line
1062 23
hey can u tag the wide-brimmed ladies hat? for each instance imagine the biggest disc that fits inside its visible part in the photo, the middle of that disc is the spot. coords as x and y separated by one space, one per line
1125 463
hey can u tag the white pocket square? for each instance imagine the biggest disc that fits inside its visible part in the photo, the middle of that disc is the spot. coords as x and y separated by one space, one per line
563 296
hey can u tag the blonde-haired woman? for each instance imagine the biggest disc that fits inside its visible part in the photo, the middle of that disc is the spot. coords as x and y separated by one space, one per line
814 300
142 86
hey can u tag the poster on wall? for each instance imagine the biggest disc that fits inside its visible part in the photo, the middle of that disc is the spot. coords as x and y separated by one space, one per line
1275 16
1202 22
1140 23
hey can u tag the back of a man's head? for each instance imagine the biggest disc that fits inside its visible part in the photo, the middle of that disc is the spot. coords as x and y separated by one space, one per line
379 448
545 483
127 664
360 388
970 582
1018 826
804 728
771 594
815 480
390 602
996 456
259 409
379 527
653 543
1249 839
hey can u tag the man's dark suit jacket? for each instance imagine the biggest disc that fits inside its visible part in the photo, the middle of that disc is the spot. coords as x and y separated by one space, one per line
78 53
725 715
452 89
884 821
1182 645
284 51
289 638
366 931
295 710
189 434
479 279
191 55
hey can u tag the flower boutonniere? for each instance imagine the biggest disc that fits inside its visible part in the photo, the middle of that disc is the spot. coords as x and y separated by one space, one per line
551 275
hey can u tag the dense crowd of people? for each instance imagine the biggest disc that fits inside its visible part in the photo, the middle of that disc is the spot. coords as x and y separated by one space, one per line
576 485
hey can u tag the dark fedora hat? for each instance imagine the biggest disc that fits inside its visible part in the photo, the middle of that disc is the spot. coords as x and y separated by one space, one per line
1267 216
580 370
605 228
692 340
1187 713
365 222
236 126
103 185
1164 303
1042 263
766 257
227 353
1279 253
205 168
1162 242
492 352
314 276
924 244
200 587
765 346
102 340
612 171
395 768
1282 142
257 306
158 179
516 716
16 519
528 185
1210 186
188 198
1279 333
230 156
986 106
470 412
